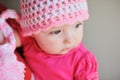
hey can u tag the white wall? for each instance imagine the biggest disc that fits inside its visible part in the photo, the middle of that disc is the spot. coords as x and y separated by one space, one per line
102 35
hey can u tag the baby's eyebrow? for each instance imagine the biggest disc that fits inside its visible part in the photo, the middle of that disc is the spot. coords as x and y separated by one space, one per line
80 22
53 29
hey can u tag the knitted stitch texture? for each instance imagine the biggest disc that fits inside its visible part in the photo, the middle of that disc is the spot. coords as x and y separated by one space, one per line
10 67
37 15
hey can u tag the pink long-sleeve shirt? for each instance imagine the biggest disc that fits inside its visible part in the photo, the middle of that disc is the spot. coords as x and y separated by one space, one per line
77 64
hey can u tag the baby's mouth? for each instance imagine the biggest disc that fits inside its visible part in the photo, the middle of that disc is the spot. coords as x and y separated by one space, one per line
65 50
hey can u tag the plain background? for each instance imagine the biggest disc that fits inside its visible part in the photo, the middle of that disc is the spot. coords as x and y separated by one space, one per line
101 36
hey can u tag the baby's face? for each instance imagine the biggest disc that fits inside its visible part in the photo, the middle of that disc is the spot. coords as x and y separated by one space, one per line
59 40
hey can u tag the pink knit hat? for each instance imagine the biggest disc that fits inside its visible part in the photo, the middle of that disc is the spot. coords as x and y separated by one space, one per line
40 15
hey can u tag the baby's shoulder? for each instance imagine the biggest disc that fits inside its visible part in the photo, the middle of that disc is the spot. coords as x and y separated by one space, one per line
82 53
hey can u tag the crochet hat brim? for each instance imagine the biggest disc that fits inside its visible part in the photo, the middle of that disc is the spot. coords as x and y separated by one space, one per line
42 15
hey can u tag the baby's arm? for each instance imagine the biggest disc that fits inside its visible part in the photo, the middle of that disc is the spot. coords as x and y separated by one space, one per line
88 68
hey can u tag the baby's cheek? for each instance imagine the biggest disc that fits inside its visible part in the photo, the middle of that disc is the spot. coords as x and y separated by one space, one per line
78 40
52 47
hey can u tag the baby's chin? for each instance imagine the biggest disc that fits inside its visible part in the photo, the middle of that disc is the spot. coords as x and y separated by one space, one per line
62 52
65 51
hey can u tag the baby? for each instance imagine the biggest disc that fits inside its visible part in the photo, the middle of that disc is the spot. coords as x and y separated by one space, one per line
51 34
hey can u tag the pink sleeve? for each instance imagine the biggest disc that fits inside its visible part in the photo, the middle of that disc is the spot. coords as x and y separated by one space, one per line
87 68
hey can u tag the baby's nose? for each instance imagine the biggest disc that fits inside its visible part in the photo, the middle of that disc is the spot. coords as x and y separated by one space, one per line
69 39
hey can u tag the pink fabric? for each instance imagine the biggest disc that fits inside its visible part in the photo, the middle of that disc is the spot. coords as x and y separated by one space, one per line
10 67
40 15
78 64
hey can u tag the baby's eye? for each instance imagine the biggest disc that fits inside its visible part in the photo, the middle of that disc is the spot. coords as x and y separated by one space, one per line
78 25
55 32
